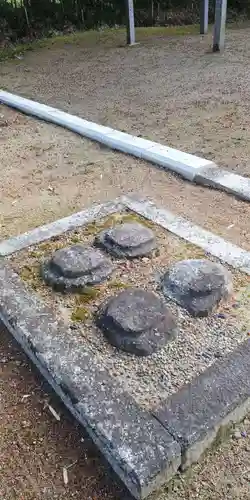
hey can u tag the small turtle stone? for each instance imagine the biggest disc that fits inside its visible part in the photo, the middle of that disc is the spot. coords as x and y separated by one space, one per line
198 285
130 239
75 267
137 321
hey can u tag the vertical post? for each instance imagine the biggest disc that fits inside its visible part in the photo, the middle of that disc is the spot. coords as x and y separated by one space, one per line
204 17
219 25
130 22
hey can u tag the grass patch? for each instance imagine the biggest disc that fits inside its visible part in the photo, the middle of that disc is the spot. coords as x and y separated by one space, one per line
111 37
92 38
19 49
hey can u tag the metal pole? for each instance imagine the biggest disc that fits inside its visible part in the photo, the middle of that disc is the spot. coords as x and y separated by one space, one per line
220 25
204 17
130 22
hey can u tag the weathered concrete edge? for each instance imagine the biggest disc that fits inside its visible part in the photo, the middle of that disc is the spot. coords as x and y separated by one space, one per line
60 226
211 243
215 245
223 179
137 446
215 399
190 167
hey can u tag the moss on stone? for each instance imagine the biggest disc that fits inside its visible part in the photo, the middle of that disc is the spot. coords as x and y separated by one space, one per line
87 295
114 219
186 250
80 314
75 239
26 273
133 217
46 245
35 254
29 273
91 228
118 285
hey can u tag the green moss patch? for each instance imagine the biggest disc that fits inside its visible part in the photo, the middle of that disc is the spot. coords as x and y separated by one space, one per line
80 314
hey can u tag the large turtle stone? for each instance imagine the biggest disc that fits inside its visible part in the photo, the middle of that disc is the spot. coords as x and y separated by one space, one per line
198 285
137 321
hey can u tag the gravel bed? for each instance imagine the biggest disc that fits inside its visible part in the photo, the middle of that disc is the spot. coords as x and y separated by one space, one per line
200 340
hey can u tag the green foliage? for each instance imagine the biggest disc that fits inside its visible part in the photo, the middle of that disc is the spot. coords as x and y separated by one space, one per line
25 20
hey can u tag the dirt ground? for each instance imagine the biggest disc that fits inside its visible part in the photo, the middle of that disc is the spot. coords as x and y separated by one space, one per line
34 449
48 172
186 98
172 90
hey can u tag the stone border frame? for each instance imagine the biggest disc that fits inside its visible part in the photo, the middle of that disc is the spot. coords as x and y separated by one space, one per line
190 167
145 449
215 245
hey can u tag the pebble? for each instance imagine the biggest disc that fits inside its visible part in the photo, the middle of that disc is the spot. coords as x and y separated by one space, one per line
237 435
236 305
25 424
73 326
206 355
218 354
221 316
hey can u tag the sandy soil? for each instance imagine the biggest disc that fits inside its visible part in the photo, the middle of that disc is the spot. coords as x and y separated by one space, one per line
47 173
173 90
34 448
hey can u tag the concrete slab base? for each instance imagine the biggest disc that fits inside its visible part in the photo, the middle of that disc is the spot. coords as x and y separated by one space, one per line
145 449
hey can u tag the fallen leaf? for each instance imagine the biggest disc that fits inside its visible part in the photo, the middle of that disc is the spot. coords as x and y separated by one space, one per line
54 413
65 476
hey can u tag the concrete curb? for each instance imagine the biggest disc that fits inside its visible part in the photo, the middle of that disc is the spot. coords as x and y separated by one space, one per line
214 399
224 180
145 449
188 166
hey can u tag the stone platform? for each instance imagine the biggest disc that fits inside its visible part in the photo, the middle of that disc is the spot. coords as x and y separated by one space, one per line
145 447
